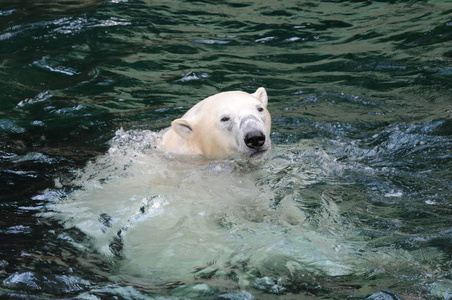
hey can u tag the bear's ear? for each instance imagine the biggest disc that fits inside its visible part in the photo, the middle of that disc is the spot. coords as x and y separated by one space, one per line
261 95
182 127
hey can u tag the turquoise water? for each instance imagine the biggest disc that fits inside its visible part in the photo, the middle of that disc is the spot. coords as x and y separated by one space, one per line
354 199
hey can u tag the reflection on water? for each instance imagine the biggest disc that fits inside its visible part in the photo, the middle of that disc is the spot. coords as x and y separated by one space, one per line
355 198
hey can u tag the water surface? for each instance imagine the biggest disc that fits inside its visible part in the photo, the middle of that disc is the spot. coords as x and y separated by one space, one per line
354 199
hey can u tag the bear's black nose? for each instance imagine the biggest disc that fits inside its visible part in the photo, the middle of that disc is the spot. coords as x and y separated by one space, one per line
254 139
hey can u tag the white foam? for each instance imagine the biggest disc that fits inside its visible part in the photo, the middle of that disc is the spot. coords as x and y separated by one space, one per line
176 220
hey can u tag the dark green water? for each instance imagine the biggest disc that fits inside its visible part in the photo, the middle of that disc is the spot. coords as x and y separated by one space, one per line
367 84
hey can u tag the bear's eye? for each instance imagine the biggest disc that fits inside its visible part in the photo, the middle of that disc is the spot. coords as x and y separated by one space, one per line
260 109
225 119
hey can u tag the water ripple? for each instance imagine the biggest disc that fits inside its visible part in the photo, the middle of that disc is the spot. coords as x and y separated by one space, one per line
210 42
192 76
63 26
361 119
44 63
41 97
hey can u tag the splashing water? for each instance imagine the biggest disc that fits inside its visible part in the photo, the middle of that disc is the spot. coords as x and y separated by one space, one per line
197 221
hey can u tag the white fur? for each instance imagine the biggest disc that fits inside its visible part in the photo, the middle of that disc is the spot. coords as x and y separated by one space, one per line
216 126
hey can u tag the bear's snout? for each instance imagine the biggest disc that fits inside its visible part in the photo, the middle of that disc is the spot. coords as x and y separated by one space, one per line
254 139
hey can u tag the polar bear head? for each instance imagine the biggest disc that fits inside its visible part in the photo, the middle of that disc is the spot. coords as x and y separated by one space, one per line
223 125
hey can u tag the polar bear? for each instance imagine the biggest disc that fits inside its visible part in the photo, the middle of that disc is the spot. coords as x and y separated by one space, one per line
222 125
